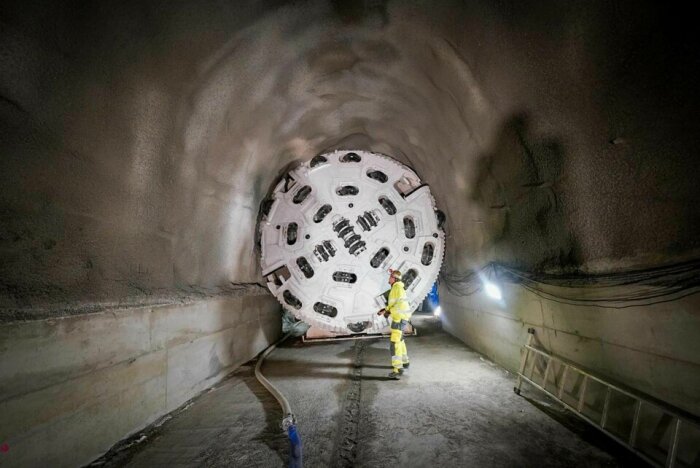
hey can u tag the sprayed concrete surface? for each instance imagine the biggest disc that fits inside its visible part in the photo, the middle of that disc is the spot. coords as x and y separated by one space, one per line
139 140
454 409
71 387
654 349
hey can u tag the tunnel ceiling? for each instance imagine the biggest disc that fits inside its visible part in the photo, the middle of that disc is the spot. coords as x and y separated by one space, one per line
139 139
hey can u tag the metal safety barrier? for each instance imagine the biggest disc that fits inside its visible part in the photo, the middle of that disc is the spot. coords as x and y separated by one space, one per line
576 403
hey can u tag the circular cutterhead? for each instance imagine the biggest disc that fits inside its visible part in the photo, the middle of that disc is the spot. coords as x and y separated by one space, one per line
334 228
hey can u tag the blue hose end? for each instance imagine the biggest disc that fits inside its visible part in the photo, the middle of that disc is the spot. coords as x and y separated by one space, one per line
295 454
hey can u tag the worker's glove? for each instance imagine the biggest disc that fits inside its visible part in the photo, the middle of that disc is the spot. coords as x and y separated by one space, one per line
383 312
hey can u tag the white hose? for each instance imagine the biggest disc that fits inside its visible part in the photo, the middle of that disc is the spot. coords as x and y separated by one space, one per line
288 421
286 408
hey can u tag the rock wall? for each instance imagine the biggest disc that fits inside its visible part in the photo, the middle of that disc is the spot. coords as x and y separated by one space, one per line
139 139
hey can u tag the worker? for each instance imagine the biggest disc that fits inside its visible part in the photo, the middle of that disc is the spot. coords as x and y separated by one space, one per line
397 309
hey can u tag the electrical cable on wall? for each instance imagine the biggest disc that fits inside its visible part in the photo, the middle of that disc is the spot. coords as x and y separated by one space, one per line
636 288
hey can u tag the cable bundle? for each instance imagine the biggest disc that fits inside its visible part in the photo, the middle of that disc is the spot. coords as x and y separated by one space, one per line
611 290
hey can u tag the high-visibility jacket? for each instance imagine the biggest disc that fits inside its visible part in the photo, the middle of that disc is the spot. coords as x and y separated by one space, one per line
397 306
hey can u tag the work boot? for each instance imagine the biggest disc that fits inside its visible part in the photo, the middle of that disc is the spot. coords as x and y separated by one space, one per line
406 364
394 375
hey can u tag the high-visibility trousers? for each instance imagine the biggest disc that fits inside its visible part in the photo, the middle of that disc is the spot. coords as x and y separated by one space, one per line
397 345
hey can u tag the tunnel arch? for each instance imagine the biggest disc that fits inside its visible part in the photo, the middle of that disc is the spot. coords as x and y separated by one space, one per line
139 143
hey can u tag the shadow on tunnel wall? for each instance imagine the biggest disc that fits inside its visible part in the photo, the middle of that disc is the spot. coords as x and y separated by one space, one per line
355 12
518 186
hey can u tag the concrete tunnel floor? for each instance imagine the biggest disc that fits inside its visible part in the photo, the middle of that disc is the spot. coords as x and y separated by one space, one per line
455 408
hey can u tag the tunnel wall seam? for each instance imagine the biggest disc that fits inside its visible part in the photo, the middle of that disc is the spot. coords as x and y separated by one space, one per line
56 311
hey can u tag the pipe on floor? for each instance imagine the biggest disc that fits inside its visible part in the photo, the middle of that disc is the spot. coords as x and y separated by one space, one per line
288 421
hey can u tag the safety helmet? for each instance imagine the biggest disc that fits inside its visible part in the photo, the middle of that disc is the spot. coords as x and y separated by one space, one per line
395 274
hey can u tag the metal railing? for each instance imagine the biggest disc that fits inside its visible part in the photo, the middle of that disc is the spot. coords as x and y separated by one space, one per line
679 422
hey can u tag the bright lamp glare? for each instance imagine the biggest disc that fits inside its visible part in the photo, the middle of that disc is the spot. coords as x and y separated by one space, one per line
437 311
492 290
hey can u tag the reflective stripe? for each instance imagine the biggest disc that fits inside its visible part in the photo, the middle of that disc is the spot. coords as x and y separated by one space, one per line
397 301
399 325
397 348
